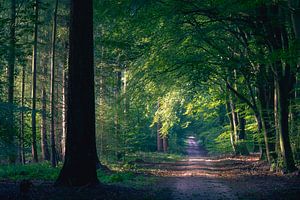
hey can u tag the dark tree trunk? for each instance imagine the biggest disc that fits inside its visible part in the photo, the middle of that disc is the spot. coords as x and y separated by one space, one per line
79 166
265 95
284 87
165 144
242 147
159 138
52 108
117 107
11 80
22 131
285 146
33 95
44 138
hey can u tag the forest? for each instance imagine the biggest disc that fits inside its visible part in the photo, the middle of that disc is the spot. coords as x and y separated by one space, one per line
149 99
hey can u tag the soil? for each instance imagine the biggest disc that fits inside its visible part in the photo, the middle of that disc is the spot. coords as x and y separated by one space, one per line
236 177
197 177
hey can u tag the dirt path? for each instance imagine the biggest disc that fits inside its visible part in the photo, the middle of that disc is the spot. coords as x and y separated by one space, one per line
191 186
203 177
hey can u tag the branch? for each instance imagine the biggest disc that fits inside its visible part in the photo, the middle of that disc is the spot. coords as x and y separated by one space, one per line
241 97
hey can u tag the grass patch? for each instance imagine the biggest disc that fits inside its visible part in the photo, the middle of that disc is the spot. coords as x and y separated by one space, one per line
40 171
154 157
44 172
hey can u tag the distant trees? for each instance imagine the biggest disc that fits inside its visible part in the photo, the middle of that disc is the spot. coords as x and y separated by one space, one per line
24 104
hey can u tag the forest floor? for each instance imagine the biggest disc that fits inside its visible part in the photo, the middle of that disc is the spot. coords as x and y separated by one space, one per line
198 176
242 177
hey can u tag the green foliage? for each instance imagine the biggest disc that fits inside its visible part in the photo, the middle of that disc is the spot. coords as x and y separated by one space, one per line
41 171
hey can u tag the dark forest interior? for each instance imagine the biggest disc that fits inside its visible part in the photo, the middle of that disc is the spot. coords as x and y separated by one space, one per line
144 99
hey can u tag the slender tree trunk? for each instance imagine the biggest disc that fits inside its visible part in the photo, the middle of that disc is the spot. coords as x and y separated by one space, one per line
117 114
33 93
22 146
159 140
229 115
234 122
165 144
11 80
125 112
265 94
79 166
257 142
243 150
64 114
44 138
52 107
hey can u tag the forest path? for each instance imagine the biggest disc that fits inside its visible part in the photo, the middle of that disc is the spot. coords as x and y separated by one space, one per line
195 177
226 177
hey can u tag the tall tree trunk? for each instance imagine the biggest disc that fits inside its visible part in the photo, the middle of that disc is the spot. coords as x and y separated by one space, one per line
79 166
33 93
117 114
64 114
44 138
266 107
52 106
22 131
11 80
283 110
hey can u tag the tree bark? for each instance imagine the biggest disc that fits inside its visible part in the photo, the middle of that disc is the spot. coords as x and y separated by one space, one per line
242 146
64 114
33 93
165 144
229 115
79 166
52 107
10 80
117 106
265 96
44 138
159 140
22 131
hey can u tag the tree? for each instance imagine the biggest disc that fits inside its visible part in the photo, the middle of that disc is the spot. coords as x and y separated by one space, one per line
33 92
52 128
80 159
11 78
